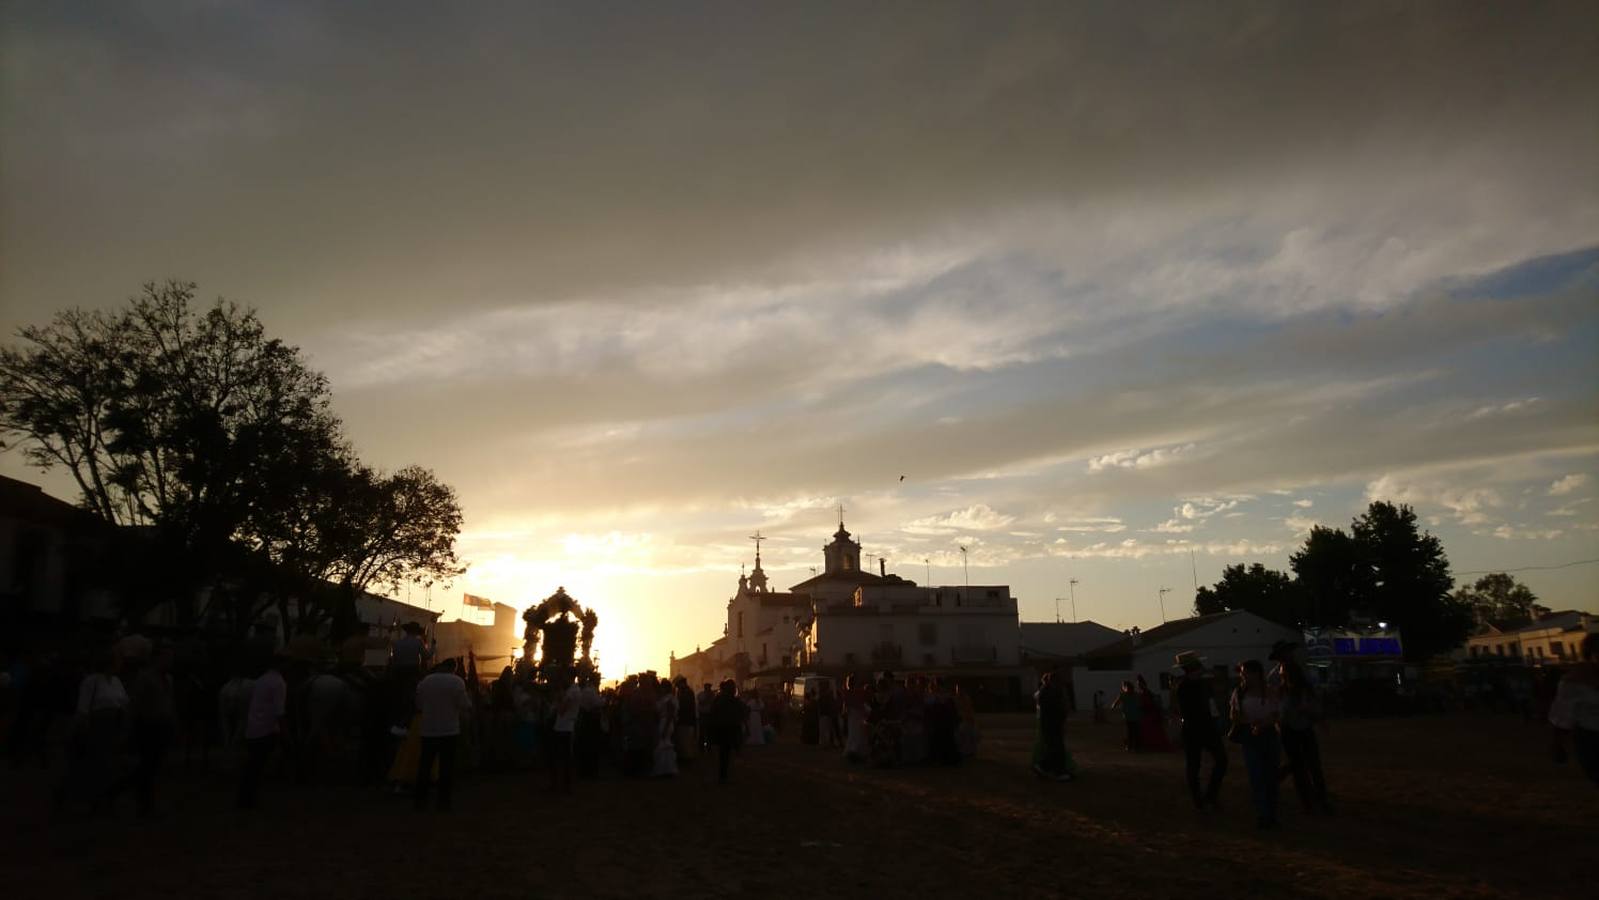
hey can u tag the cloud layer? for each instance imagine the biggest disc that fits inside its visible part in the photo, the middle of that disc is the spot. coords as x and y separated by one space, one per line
1107 290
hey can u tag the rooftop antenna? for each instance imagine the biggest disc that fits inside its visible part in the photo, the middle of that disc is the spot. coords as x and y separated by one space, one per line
1161 594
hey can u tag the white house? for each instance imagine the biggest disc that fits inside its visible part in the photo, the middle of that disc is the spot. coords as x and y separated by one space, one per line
1223 640
904 626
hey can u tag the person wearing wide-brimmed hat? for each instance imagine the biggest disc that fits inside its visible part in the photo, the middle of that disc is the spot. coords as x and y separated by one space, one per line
1196 707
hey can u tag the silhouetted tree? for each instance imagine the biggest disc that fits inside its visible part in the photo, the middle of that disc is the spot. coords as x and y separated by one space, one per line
1333 575
1265 592
1384 569
167 416
393 529
220 444
1499 598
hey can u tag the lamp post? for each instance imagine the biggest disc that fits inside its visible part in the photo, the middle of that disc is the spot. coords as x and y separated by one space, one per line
1071 588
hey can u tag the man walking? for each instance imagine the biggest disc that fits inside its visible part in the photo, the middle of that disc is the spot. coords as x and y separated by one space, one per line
155 722
442 700
263 723
1196 706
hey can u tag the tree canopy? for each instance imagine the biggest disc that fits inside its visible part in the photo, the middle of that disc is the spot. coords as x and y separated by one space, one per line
1383 569
1499 599
1265 592
219 441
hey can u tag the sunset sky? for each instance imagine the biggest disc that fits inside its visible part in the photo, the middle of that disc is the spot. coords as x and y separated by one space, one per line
640 279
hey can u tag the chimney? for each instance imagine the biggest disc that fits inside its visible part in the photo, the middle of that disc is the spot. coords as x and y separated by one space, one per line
882 567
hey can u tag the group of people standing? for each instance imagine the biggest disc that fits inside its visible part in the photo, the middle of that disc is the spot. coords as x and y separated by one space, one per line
1142 715
915 721
1268 721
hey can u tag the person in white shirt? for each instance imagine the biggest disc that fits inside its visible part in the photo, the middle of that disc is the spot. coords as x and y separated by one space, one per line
567 709
1255 712
97 734
263 723
1575 710
441 699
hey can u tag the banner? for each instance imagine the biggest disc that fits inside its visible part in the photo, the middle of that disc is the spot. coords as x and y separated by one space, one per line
477 602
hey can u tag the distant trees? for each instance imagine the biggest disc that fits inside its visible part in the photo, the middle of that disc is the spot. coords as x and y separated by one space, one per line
1265 592
1384 568
220 443
1501 599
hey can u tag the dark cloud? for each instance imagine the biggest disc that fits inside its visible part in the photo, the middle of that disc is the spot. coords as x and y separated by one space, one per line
407 158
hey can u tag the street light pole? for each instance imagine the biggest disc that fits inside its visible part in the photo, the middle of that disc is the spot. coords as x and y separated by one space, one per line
1161 594
1071 588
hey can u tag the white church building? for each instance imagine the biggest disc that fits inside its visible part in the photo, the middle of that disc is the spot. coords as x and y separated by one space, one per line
846 620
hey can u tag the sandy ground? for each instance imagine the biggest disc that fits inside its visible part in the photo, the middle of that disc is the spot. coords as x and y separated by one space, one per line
1442 806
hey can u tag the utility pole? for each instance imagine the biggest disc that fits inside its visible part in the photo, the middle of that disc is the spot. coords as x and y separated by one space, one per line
1057 610
929 563
967 573
1071 588
1161 594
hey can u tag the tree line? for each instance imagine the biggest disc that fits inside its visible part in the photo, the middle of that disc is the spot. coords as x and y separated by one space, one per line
1383 569
214 449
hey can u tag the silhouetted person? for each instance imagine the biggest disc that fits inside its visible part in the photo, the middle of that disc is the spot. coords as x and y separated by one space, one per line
1053 761
1195 704
1574 713
154 713
684 738
441 701
1254 713
725 724
263 724
1132 709
98 731
1301 711
702 708
568 706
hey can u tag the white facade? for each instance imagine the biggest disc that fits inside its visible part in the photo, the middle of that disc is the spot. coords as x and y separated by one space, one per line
1223 640
912 627
1553 638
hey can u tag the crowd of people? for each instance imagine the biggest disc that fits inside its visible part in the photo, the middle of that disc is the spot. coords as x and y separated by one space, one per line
111 719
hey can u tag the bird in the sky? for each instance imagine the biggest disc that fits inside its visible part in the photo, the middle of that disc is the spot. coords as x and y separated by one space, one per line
902 478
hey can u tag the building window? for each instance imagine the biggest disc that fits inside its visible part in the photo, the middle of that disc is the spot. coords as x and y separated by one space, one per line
927 633
1473 652
1539 648
1557 649
1499 649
